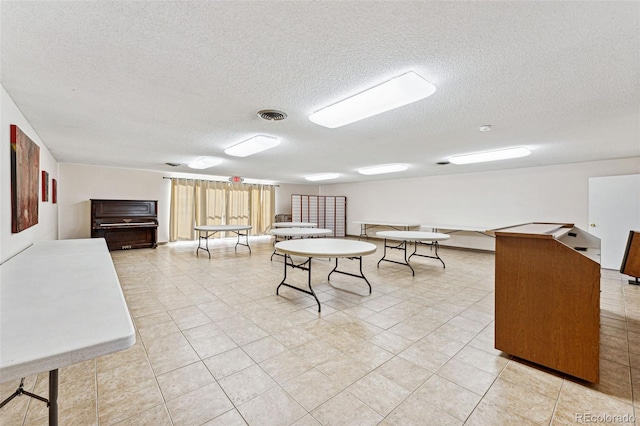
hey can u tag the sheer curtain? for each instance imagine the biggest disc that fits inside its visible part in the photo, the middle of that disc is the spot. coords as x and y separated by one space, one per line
201 202
262 208
238 204
183 216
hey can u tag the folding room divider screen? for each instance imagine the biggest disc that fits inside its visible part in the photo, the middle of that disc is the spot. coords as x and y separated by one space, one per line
329 212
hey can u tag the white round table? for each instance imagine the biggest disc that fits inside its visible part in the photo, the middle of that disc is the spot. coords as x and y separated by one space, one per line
322 248
289 233
294 225
206 231
417 237
300 232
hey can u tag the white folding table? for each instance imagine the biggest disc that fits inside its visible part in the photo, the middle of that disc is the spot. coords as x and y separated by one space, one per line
289 233
294 225
369 224
60 304
406 237
322 248
206 231
449 229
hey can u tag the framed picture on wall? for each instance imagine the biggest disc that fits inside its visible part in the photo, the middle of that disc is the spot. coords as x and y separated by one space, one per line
45 186
54 191
25 165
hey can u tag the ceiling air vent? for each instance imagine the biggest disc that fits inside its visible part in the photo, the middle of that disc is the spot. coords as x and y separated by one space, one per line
272 115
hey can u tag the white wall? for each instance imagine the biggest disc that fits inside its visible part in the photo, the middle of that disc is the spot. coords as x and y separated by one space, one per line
47 226
488 199
80 183
284 192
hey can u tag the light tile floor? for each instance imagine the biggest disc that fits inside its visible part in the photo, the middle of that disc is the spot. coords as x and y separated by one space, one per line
216 346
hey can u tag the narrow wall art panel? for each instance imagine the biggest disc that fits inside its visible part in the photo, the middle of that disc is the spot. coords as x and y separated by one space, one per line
25 167
45 186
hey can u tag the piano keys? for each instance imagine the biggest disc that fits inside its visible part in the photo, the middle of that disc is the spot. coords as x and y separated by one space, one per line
125 224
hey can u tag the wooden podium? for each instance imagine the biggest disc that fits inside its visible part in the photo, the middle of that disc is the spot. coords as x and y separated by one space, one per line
547 289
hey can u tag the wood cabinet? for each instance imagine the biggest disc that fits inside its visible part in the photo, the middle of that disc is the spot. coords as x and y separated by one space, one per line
547 294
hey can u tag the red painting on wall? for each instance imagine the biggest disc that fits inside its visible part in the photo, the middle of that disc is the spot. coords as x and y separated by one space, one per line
45 186
54 191
25 167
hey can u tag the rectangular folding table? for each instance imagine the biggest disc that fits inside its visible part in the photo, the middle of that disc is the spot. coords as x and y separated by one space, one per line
60 304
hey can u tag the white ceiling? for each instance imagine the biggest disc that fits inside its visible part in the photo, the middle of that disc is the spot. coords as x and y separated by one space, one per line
136 84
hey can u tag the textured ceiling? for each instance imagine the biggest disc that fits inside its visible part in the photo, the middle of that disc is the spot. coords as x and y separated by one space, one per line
136 84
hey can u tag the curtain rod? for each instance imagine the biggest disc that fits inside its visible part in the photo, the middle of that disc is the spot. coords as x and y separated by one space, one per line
223 181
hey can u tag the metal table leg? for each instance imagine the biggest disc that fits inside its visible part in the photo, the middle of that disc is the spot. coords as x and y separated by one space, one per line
206 240
402 246
299 266
52 402
335 269
53 398
246 236
435 246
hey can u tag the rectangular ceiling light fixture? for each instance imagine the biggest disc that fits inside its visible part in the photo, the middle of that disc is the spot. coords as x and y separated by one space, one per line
400 91
252 146
385 168
480 157
322 176
205 162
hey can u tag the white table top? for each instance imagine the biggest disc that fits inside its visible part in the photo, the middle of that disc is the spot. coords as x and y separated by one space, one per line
212 228
373 222
413 235
457 227
60 304
294 225
325 247
300 232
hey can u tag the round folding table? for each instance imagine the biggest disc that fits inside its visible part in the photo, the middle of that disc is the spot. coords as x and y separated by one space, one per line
417 237
294 225
289 233
322 248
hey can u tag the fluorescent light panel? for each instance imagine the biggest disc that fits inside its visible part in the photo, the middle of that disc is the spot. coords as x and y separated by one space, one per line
252 146
322 176
205 162
400 91
480 157
385 168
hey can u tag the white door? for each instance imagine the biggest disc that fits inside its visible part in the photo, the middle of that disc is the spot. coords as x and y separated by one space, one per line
614 210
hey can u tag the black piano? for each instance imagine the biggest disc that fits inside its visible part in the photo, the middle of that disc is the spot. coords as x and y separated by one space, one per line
125 224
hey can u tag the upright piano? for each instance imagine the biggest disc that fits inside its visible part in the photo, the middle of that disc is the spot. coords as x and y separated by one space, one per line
125 224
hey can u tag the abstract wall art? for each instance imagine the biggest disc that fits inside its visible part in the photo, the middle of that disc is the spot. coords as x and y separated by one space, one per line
25 165
45 186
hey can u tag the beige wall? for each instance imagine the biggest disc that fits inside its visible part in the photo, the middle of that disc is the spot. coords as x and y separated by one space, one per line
488 199
47 227
84 182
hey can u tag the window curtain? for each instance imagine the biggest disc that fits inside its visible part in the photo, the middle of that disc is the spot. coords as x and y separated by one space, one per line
210 202
238 205
200 202
182 208
262 208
